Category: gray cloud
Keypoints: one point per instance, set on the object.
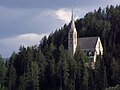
(47, 3)
(19, 21)
(55, 4)
(8, 45)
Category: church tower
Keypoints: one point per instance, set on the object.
(72, 37)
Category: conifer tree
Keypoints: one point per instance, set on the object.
(91, 83)
(64, 71)
(72, 72)
(11, 73)
(12, 77)
(2, 74)
(79, 57)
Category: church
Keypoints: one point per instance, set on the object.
(91, 46)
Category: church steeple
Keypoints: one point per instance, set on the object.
(72, 16)
(72, 22)
(72, 36)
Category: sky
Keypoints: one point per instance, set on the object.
(25, 22)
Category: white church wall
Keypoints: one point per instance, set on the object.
(99, 48)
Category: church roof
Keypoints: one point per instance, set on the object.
(87, 42)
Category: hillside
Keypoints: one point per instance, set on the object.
(49, 67)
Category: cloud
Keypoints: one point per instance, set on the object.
(24, 39)
(63, 14)
(8, 45)
(29, 20)
(113, 2)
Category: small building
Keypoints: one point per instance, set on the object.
(91, 46)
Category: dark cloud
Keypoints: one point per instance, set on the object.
(20, 21)
(48, 3)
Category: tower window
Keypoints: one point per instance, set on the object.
(71, 35)
(70, 42)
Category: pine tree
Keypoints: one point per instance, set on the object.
(12, 77)
(91, 83)
(2, 74)
(35, 75)
(64, 69)
(72, 72)
(115, 71)
(80, 75)
(100, 74)
(11, 73)
(41, 60)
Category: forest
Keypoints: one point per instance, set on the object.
(48, 66)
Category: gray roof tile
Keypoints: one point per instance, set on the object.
(87, 42)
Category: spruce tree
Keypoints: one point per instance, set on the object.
(2, 74)
(80, 75)
(64, 69)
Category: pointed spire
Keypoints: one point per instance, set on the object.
(72, 17)
(72, 21)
